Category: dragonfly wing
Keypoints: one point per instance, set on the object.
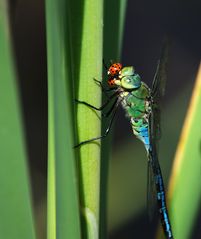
(152, 163)
(158, 84)
(157, 91)
(151, 192)
(154, 125)
(157, 180)
(158, 87)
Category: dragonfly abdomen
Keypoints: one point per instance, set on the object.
(161, 198)
(141, 131)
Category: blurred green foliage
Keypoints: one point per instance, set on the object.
(16, 220)
(63, 219)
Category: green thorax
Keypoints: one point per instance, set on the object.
(135, 101)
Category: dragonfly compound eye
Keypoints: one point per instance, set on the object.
(115, 69)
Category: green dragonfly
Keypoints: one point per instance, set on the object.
(142, 107)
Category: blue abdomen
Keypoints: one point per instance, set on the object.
(141, 131)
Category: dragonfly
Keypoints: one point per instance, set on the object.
(142, 107)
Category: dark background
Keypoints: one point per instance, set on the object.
(145, 25)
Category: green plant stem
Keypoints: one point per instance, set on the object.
(89, 121)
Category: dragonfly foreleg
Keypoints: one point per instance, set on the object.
(111, 109)
(103, 88)
(98, 108)
(106, 131)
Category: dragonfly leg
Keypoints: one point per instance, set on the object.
(103, 88)
(106, 131)
(101, 107)
(111, 109)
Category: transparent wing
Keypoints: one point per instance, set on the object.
(157, 91)
(158, 84)
(158, 88)
(151, 192)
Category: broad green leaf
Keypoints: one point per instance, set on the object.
(185, 189)
(63, 203)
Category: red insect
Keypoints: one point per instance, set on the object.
(111, 81)
(115, 69)
(113, 73)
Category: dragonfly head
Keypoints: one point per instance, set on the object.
(124, 77)
(130, 81)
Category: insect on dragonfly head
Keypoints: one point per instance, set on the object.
(113, 72)
(114, 69)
